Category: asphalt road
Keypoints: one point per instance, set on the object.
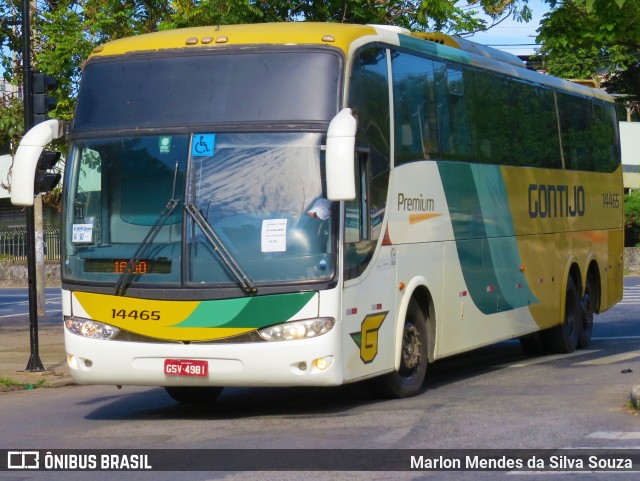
(14, 306)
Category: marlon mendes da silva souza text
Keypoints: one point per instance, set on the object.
(533, 462)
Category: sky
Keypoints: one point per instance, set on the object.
(513, 37)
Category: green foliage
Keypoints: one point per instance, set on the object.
(632, 209)
(66, 31)
(581, 37)
(11, 122)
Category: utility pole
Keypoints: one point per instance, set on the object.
(39, 247)
(34, 364)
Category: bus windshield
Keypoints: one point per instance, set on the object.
(260, 194)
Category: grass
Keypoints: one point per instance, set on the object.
(8, 384)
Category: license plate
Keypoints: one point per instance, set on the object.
(186, 367)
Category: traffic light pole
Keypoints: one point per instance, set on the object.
(34, 364)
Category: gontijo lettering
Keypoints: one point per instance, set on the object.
(549, 201)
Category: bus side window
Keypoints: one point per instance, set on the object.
(88, 201)
(357, 225)
(415, 113)
(575, 126)
(604, 139)
(369, 97)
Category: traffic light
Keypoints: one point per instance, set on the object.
(42, 102)
(44, 181)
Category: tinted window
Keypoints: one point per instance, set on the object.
(369, 97)
(457, 133)
(416, 121)
(212, 88)
(452, 112)
(575, 126)
(605, 140)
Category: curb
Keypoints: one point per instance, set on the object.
(635, 396)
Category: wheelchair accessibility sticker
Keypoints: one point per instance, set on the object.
(203, 145)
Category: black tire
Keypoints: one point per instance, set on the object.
(408, 380)
(533, 344)
(587, 308)
(563, 338)
(194, 394)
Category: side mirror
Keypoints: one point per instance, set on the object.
(340, 154)
(28, 159)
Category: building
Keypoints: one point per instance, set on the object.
(630, 147)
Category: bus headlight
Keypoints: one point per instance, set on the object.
(88, 328)
(298, 329)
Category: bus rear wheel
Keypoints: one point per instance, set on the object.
(563, 339)
(194, 394)
(587, 308)
(408, 380)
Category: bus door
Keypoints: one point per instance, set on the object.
(368, 307)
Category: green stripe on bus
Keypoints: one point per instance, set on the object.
(485, 237)
(253, 312)
(433, 48)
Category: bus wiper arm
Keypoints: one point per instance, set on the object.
(144, 246)
(227, 259)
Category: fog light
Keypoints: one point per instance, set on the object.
(323, 363)
(72, 361)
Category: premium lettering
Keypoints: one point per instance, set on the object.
(415, 204)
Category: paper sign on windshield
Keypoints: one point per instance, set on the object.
(274, 235)
(82, 233)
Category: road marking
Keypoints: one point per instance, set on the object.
(19, 303)
(614, 338)
(614, 435)
(630, 296)
(23, 314)
(625, 356)
(539, 360)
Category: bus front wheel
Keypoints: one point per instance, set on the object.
(408, 380)
(194, 394)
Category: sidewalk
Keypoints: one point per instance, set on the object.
(15, 352)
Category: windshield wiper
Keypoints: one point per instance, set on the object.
(144, 246)
(147, 242)
(227, 259)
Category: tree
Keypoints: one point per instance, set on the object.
(632, 217)
(632, 209)
(66, 31)
(451, 16)
(11, 121)
(581, 38)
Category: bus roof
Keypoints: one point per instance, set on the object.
(286, 33)
(344, 37)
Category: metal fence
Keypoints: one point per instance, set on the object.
(13, 243)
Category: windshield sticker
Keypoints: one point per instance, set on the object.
(203, 145)
(165, 145)
(274, 235)
(82, 233)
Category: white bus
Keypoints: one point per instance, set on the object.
(305, 204)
